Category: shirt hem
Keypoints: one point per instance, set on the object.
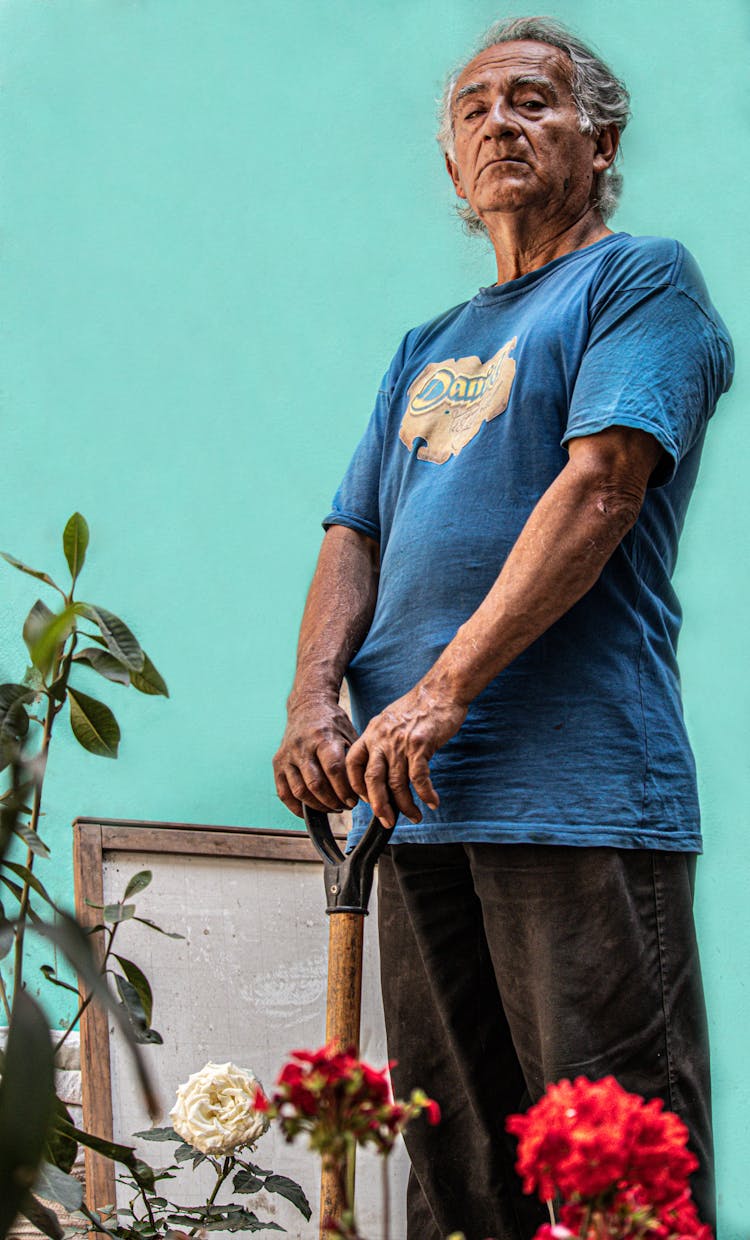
(594, 836)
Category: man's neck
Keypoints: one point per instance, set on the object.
(522, 245)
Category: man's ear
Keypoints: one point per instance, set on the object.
(454, 176)
(607, 143)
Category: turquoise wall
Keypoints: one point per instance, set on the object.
(218, 221)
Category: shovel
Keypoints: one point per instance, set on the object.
(348, 883)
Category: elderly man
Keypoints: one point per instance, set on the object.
(494, 583)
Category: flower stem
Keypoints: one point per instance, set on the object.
(227, 1167)
(351, 1150)
(386, 1199)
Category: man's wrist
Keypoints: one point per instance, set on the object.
(312, 695)
(447, 680)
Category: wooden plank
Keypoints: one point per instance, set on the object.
(147, 825)
(96, 1081)
(163, 839)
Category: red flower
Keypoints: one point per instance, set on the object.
(616, 1160)
(432, 1110)
(335, 1098)
(260, 1101)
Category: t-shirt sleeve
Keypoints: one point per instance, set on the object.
(356, 503)
(656, 360)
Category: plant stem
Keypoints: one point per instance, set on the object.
(83, 1208)
(4, 997)
(52, 709)
(85, 1002)
(227, 1167)
(351, 1154)
(386, 1199)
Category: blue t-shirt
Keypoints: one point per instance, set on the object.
(581, 740)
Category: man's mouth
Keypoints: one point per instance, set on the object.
(504, 159)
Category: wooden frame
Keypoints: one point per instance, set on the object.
(93, 838)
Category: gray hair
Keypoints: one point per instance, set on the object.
(600, 97)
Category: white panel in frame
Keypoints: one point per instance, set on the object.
(246, 984)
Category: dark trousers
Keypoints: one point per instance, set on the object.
(506, 967)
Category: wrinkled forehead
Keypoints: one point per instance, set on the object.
(522, 57)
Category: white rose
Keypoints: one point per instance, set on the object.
(214, 1109)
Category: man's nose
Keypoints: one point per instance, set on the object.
(500, 120)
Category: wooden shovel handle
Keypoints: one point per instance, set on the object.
(345, 936)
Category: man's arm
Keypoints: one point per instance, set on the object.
(310, 765)
(562, 549)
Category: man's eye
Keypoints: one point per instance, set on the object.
(534, 104)
(474, 112)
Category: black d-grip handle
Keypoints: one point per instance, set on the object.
(348, 879)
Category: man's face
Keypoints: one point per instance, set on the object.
(518, 143)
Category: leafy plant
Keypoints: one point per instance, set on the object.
(150, 1214)
(38, 1140)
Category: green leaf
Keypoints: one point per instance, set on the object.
(36, 622)
(62, 1149)
(259, 1170)
(94, 726)
(143, 1174)
(121, 642)
(32, 572)
(33, 679)
(7, 933)
(184, 1152)
(284, 1187)
(246, 1182)
(72, 939)
(32, 841)
(27, 1104)
(12, 695)
(170, 934)
(124, 1154)
(239, 1220)
(44, 1219)
(139, 982)
(13, 729)
(158, 1134)
(148, 680)
(54, 1185)
(24, 873)
(51, 976)
(142, 1032)
(75, 541)
(118, 912)
(139, 882)
(104, 663)
(50, 638)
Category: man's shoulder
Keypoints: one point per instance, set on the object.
(425, 332)
(652, 262)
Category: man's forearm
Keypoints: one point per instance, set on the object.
(310, 764)
(338, 612)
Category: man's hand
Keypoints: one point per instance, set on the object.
(395, 749)
(310, 765)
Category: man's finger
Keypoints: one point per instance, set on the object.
(332, 759)
(419, 775)
(300, 790)
(376, 781)
(285, 794)
(318, 784)
(356, 764)
(400, 792)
